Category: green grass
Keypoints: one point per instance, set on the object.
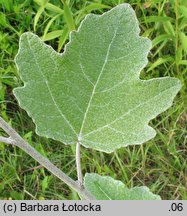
(160, 164)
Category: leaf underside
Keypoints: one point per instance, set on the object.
(106, 188)
(92, 92)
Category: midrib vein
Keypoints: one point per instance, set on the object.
(95, 86)
(50, 92)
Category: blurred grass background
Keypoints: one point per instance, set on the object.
(160, 164)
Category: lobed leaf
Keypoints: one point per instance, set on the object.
(92, 92)
(106, 188)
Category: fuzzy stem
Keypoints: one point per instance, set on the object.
(78, 164)
(7, 140)
(16, 139)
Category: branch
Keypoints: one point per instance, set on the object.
(17, 140)
(6, 140)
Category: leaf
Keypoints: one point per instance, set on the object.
(92, 92)
(54, 8)
(89, 8)
(169, 29)
(45, 183)
(160, 38)
(49, 25)
(63, 38)
(183, 10)
(52, 35)
(160, 61)
(68, 16)
(37, 16)
(16, 195)
(158, 19)
(3, 20)
(183, 39)
(44, 4)
(106, 188)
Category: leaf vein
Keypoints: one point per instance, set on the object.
(98, 79)
(127, 113)
(49, 90)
